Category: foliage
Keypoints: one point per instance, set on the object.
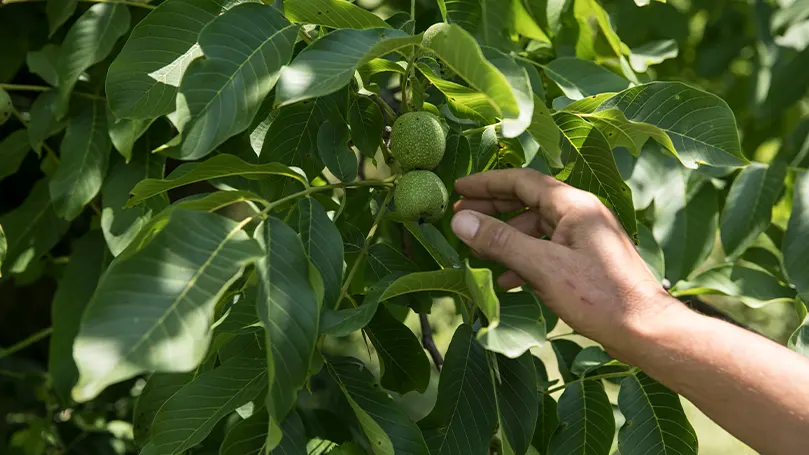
(209, 184)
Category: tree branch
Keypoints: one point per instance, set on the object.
(429, 343)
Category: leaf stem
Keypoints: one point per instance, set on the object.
(45, 88)
(620, 374)
(528, 60)
(123, 2)
(413, 10)
(26, 342)
(364, 251)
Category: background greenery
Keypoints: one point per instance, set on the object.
(75, 141)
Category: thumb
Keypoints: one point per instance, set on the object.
(496, 240)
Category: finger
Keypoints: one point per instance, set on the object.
(529, 223)
(510, 280)
(489, 206)
(550, 197)
(530, 258)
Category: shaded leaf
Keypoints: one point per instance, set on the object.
(465, 413)
(13, 149)
(333, 149)
(58, 12)
(289, 306)
(586, 423)
(799, 340)
(328, 64)
(753, 286)
(124, 133)
(521, 326)
(343, 322)
(6, 106)
(545, 131)
(566, 352)
(403, 364)
(159, 388)
(651, 253)
(219, 166)
(655, 420)
(388, 429)
(152, 309)
(323, 245)
(796, 238)
(435, 243)
(518, 402)
(75, 289)
(457, 160)
(331, 13)
(44, 63)
(32, 229)
(192, 412)
(221, 94)
(652, 53)
(90, 39)
(547, 421)
(43, 120)
(367, 123)
(582, 78)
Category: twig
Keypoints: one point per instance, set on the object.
(123, 2)
(45, 88)
(26, 342)
(429, 343)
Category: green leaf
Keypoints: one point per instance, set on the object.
(520, 84)
(328, 64)
(124, 133)
(90, 40)
(651, 253)
(75, 289)
(248, 437)
(582, 78)
(59, 11)
(380, 65)
(13, 149)
(462, 101)
(620, 132)
(333, 149)
(402, 362)
(545, 131)
(85, 152)
(367, 123)
(44, 63)
(748, 207)
(221, 94)
(323, 245)
(143, 79)
(588, 157)
(435, 243)
(6, 107)
(586, 423)
(700, 126)
(652, 53)
(219, 166)
(685, 225)
(159, 388)
(292, 136)
(796, 239)
(43, 121)
(344, 322)
(3, 247)
(517, 400)
(289, 307)
(465, 413)
(520, 327)
(165, 288)
(466, 13)
(566, 352)
(383, 260)
(457, 160)
(331, 13)
(388, 429)
(121, 225)
(461, 53)
(192, 412)
(590, 360)
(799, 340)
(481, 290)
(32, 229)
(655, 420)
(546, 423)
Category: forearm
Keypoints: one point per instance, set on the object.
(751, 386)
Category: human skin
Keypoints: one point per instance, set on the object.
(589, 273)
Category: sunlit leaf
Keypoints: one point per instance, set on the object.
(221, 94)
(331, 13)
(748, 207)
(655, 420)
(31, 229)
(75, 289)
(799, 340)
(223, 165)
(463, 101)
(328, 64)
(545, 131)
(288, 304)
(90, 39)
(586, 424)
(192, 412)
(582, 78)
(651, 253)
(465, 413)
(153, 307)
(796, 239)
(388, 429)
(517, 78)
(652, 53)
(520, 327)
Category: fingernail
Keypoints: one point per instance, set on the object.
(465, 225)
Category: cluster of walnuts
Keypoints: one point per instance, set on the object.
(417, 142)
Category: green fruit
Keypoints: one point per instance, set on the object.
(6, 108)
(431, 33)
(417, 141)
(421, 196)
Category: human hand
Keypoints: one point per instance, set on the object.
(588, 272)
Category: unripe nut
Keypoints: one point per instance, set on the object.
(417, 141)
(421, 196)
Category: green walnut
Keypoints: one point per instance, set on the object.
(417, 141)
(421, 196)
